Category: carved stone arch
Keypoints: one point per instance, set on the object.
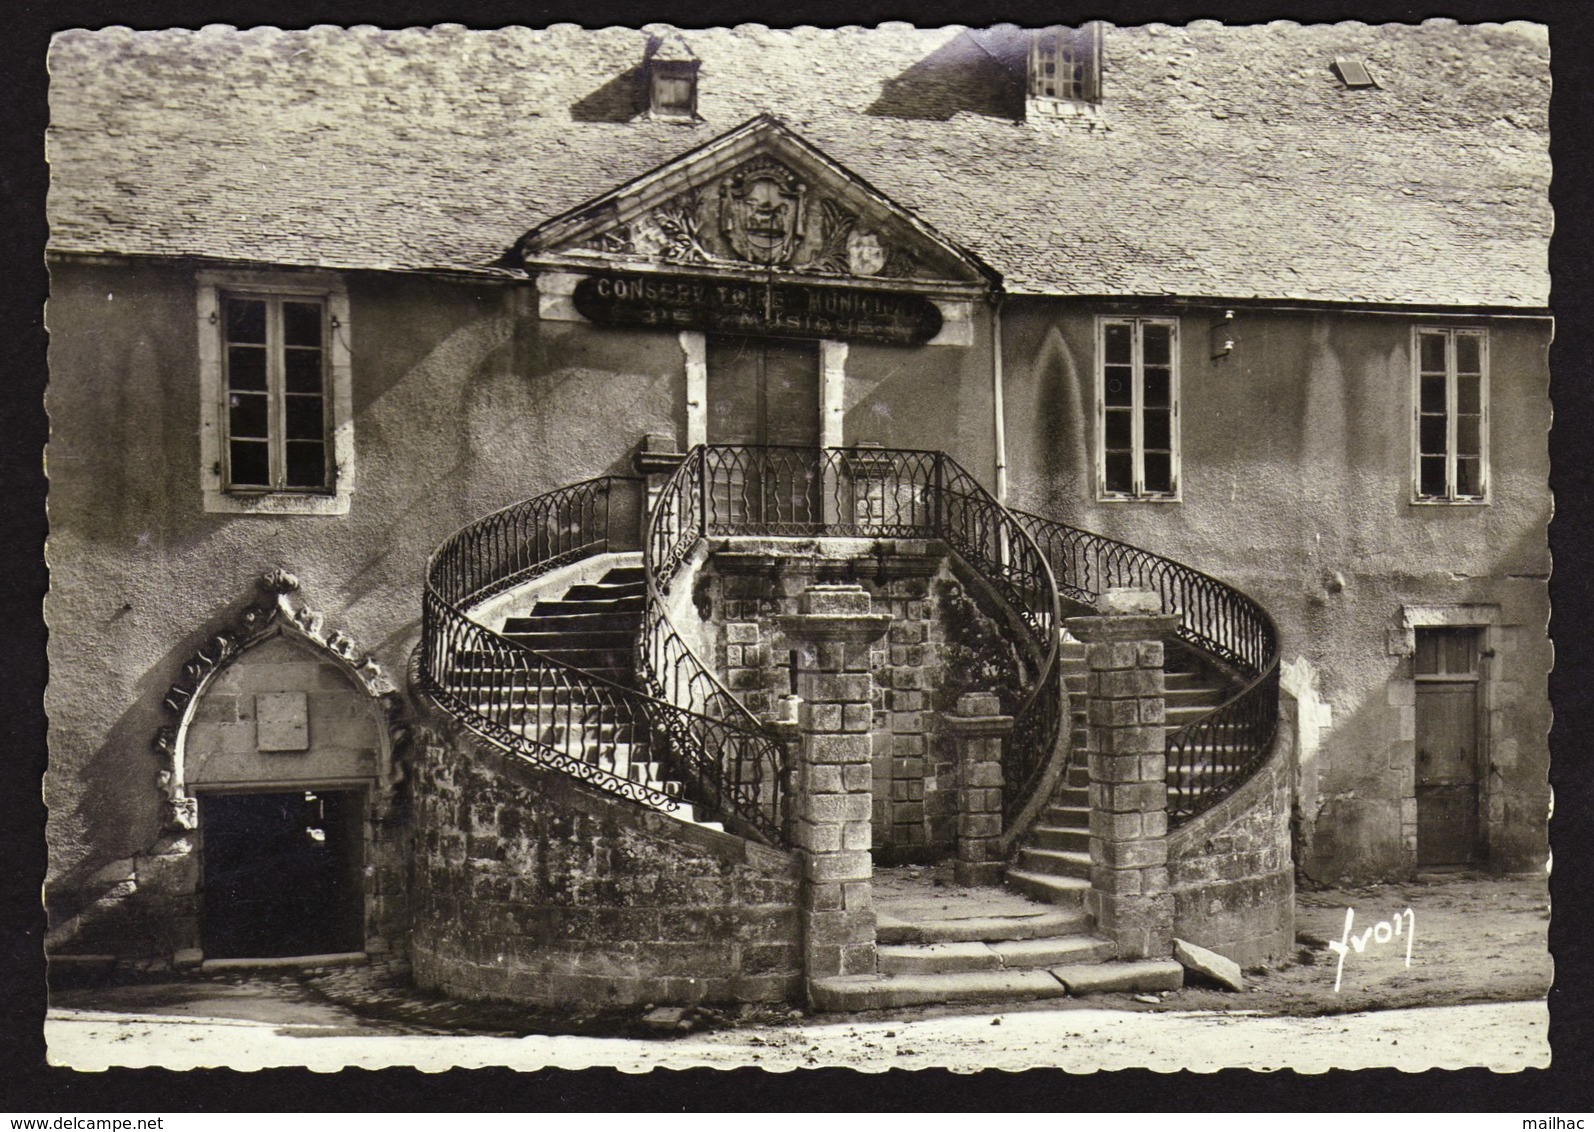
(278, 611)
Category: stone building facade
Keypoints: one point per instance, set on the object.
(1266, 305)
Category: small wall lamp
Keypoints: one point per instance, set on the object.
(1223, 336)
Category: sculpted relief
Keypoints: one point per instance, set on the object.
(761, 214)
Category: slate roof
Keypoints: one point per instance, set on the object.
(1228, 161)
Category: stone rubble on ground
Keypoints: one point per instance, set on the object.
(1209, 963)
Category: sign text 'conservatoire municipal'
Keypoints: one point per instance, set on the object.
(792, 310)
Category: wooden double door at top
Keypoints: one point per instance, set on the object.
(764, 393)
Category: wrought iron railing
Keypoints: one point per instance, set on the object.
(732, 759)
(729, 490)
(1210, 757)
(542, 708)
(685, 717)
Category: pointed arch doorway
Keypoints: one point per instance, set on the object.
(283, 754)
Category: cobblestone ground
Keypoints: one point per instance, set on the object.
(1476, 939)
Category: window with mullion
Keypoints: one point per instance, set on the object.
(276, 396)
(1064, 63)
(1138, 409)
(1451, 416)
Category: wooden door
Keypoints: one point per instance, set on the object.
(1448, 750)
(764, 394)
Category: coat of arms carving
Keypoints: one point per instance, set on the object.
(761, 212)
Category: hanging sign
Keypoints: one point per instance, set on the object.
(783, 310)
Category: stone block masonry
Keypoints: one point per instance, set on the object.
(530, 886)
(1129, 894)
(833, 631)
(942, 642)
(1231, 870)
(978, 728)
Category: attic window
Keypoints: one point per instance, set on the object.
(1065, 64)
(1354, 74)
(672, 77)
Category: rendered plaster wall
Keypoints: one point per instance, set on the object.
(928, 397)
(150, 906)
(1297, 490)
(921, 397)
(457, 411)
(532, 887)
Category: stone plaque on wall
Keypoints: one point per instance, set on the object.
(282, 721)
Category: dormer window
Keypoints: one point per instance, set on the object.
(1065, 65)
(672, 77)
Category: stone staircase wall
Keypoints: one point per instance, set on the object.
(1231, 869)
(532, 887)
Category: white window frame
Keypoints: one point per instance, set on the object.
(1137, 439)
(1064, 99)
(219, 497)
(1450, 498)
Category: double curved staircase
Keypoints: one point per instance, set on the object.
(595, 677)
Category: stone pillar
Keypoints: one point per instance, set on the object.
(1129, 896)
(977, 728)
(833, 631)
(655, 458)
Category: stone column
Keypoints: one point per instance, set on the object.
(655, 458)
(977, 728)
(833, 631)
(1129, 896)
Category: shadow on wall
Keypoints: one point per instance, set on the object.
(977, 72)
(105, 802)
(1066, 424)
(618, 100)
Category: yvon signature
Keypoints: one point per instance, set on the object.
(1403, 923)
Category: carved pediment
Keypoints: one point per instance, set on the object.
(757, 198)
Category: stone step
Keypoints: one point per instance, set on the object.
(1203, 694)
(1138, 976)
(1020, 953)
(535, 637)
(1068, 817)
(582, 622)
(631, 604)
(1052, 889)
(620, 655)
(484, 676)
(605, 590)
(1178, 713)
(980, 929)
(1076, 838)
(572, 715)
(1003, 955)
(1069, 796)
(1056, 862)
(936, 958)
(481, 664)
(500, 689)
(881, 992)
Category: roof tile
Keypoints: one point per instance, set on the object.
(1232, 162)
